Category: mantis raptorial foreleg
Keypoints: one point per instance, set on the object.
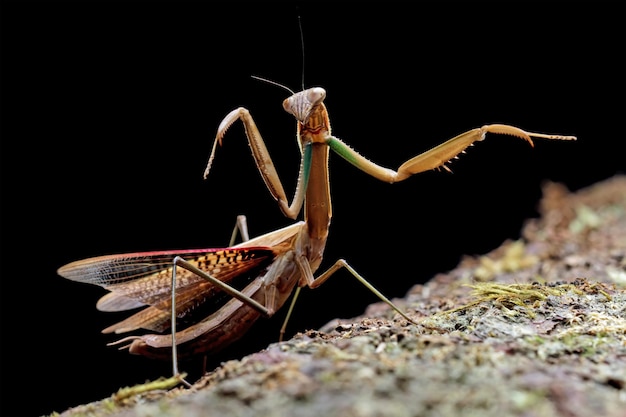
(300, 105)
(263, 161)
(434, 158)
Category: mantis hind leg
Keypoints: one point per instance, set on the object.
(289, 311)
(180, 262)
(241, 228)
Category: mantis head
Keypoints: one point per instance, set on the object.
(301, 104)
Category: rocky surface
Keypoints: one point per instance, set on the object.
(535, 328)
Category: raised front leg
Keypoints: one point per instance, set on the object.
(436, 157)
(263, 161)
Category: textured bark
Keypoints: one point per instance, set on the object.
(535, 328)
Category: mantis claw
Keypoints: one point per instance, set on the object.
(230, 118)
(507, 130)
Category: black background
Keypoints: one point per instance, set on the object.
(109, 111)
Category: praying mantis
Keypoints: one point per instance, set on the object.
(217, 294)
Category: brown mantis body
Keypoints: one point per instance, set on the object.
(273, 264)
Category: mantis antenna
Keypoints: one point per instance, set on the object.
(273, 83)
(302, 48)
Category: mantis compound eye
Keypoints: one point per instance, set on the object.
(287, 105)
(316, 95)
